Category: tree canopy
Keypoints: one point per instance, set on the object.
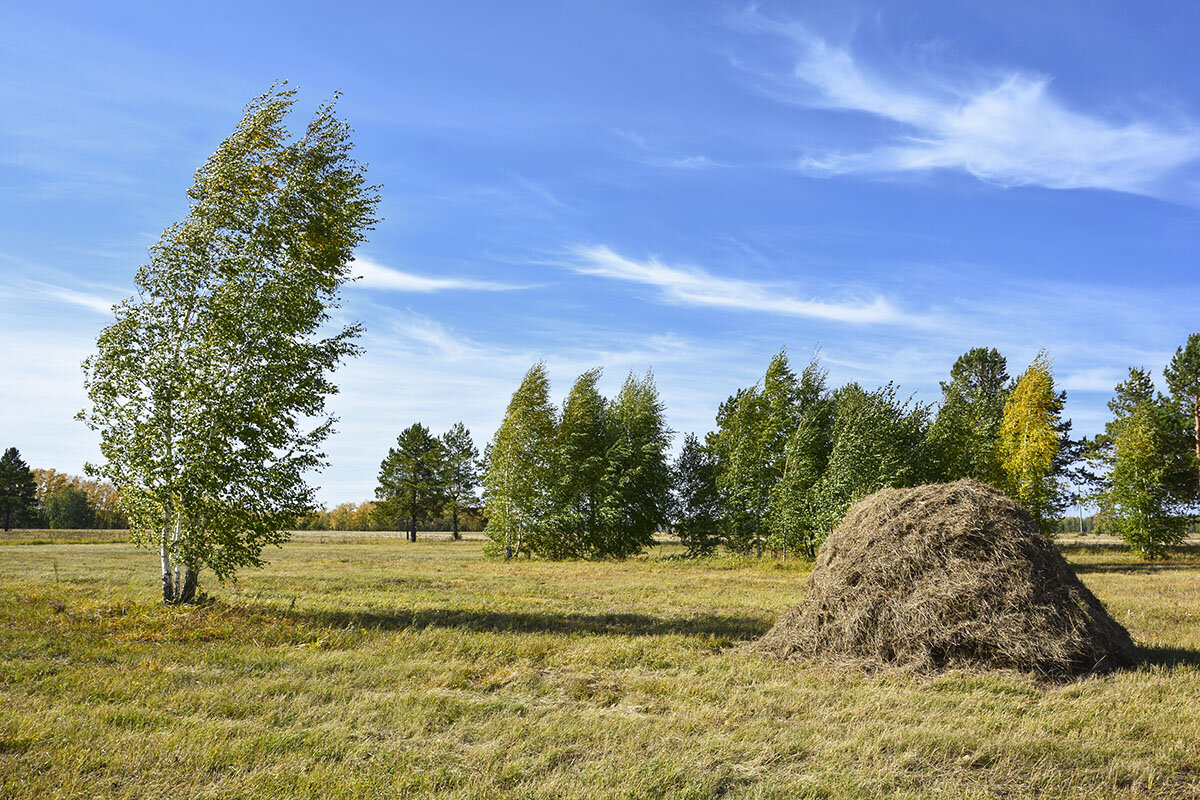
(209, 389)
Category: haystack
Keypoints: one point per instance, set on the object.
(948, 575)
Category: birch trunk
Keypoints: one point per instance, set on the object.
(168, 583)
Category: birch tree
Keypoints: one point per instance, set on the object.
(518, 484)
(209, 389)
(1030, 437)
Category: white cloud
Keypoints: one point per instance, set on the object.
(696, 287)
(92, 302)
(1004, 128)
(376, 276)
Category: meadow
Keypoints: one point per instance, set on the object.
(358, 665)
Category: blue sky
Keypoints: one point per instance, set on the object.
(684, 187)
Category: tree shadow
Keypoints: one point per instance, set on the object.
(1136, 567)
(1156, 656)
(736, 628)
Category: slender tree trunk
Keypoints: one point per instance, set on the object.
(454, 522)
(168, 583)
(1196, 420)
(191, 580)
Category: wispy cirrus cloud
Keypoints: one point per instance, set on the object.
(697, 287)
(1003, 127)
(376, 276)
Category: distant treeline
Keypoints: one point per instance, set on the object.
(45, 498)
(790, 454)
(367, 517)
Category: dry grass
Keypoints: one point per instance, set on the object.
(396, 670)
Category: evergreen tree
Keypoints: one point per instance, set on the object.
(585, 434)
(1030, 438)
(209, 389)
(1183, 379)
(18, 491)
(963, 436)
(461, 477)
(638, 479)
(519, 482)
(696, 508)
(412, 478)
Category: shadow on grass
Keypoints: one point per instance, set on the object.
(726, 627)
(1169, 656)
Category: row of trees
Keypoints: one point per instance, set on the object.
(425, 475)
(367, 517)
(591, 480)
(45, 498)
(790, 455)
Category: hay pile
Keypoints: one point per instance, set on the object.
(948, 575)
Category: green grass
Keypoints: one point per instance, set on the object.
(368, 667)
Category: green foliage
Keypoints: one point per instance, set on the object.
(68, 508)
(696, 505)
(1149, 470)
(1183, 380)
(637, 475)
(797, 523)
(964, 434)
(1029, 441)
(412, 478)
(519, 481)
(460, 477)
(877, 442)
(209, 389)
(585, 435)
(18, 491)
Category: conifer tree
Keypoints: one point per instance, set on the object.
(1029, 441)
(18, 491)
(412, 478)
(461, 477)
(519, 481)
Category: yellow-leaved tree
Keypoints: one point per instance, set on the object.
(1029, 439)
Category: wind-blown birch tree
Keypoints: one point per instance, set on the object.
(209, 389)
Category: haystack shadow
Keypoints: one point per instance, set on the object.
(735, 628)
(1159, 656)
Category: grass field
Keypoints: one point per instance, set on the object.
(361, 666)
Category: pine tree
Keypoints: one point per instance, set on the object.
(1029, 440)
(18, 491)
(461, 477)
(519, 481)
(695, 508)
(412, 478)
